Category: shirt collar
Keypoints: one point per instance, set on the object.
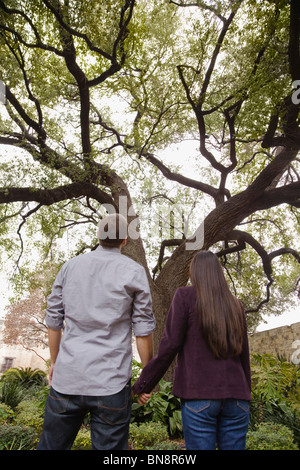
(108, 250)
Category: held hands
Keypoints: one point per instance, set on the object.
(143, 398)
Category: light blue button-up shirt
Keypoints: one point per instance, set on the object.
(98, 298)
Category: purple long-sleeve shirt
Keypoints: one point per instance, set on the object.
(198, 375)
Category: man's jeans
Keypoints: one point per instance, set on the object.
(211, 424)
(64, 414)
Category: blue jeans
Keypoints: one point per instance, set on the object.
(211, 424)
(64, 414)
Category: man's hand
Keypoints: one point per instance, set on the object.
(145, 350)
(54, 337)
(50, 373)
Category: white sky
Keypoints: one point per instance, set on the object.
(286, 318)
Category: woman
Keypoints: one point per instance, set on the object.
(206, 327)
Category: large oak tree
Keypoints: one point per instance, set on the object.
(96, 91)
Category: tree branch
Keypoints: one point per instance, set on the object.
(161, 258)
(214, 57)
(73, 32)
(38, 45)
(241, 245)
(293, 51)
(96, 173)
(29, 121)
(51, 196)
(189, 182)
(81, 80)
(285, 251)
(244, 237)
(289, 194)
(287, 108)
(200, 4)
(283, 158)
(203, 187)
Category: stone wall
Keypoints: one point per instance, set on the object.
(283, 341)
(14, 355)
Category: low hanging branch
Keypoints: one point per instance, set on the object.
(47, 197)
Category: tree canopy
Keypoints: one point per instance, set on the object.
(102, 99)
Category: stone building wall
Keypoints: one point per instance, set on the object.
(14, 355)
(283, 341)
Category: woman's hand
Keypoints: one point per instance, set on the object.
(143, 398)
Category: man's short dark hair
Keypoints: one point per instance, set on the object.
(112, 231)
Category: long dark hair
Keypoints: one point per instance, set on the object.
(220, 313)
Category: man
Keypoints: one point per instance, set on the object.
(96, 300)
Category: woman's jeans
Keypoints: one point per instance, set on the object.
(211, 424)
(64, 414)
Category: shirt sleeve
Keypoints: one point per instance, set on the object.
(245, 356)
(55, 312)
(142, 315)
(171, 343)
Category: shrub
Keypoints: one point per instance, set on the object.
(41, 394)
(6, 413)
(166, 445)
(19, 384)
(273, 378)
(270, 436)
(26, 377)
(28, 413)
(162, 407)
(147, 434)
(83, 440)
(11, 394)
(275, 393)
(13, 437)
